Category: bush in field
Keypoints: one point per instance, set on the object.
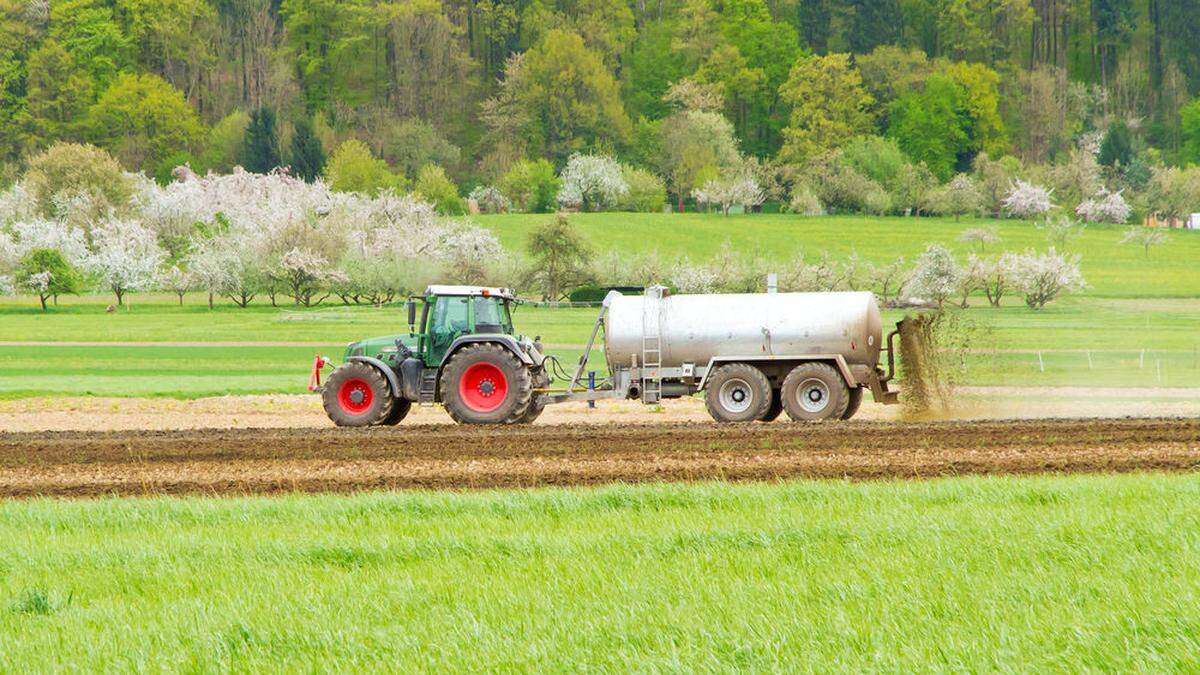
(731, 187)
(1043, 277)
(1025, 200)
(805, 202)
(1146, 237)
(67, 169)
(842, 188)
(961, 196)
(647, 192)
(48, 274)
(488, 199)
(532, 186)
(591, 183)
(436, 187)
(1105, 207)
(935, 277)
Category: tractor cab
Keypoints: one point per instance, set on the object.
(463, 352)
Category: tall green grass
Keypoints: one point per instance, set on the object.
(1016, 574)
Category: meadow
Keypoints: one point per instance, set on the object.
(1044, 573)
(1138, 324)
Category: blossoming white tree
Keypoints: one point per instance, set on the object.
(961, 196)
(175, 280)
(736, 186)
(1026, 200)
(1146, 237)
(981, 236)
(488, 199)
(1043, 277)
(1105, 207)
(126, 257)
(591, 182)
(935, 277)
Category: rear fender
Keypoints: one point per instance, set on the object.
(385, 370)
(836, 360)
(507, 341)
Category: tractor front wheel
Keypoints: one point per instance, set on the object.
(486, 384)
(357, 395)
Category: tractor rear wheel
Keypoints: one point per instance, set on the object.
(486, 384)
(738, 392)
(815, 392)
(856, 399)
(400, 408)
(357, 395)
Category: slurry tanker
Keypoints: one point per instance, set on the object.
(753, 356)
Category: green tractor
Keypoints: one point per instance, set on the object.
(463, 354)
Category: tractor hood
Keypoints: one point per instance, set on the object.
(386, 348)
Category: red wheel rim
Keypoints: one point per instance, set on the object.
(355, 396)
(483, 387)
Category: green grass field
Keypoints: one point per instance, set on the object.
(1016, 574)
(1138, 324)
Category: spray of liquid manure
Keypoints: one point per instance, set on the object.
(933, 350)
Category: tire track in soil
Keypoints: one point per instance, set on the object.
(267, 461)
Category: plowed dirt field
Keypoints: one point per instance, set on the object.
(244, 461)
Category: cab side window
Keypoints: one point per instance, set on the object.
(449, 321)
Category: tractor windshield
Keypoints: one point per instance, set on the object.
(491, 316)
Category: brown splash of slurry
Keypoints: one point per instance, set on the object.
(926, 389)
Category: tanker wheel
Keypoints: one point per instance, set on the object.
(855, 402)
(738, 392)
(537, 404)
(400, 408)
(357, 395)
(814, 392)
(486, 384)
(776, 408)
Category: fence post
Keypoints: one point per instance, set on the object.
(1089, 353)
(1041, 363)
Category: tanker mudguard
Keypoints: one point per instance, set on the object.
(384, 369)
(508, 341)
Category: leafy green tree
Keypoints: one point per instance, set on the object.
(307, 157)
(71, 168)
(433, 184)
(649, 70)
(88, 31)
(829, 106)
(226, 139)
(560, 256)
(143, 119)
(981, 102)
(931, 126)
(570, 97)
(532, 185)
(260, 153)
(413, 143)
(1117, 147)
(1189, 119)
(696, 141)
(59, 93)
(352, 168)
(48, 274)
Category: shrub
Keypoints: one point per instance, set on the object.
(531, 185)
(68, 169)
(959, 197)
(1105, 207)
(352, 168)
(437, 188)
(588, 294)
(805, 202)
(489, 200)
(1043, 277)
(647, 192)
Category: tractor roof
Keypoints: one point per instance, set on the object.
(505, 293)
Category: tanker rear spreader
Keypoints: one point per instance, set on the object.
(753, 356)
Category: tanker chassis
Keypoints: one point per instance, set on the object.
(754, 356)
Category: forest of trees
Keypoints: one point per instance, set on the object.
(469, 89)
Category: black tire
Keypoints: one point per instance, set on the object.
(776, 408)
(468, 405)
(738, 392)
(400, 409)
(815, 392)
(537, 403)
(855, 402)
(357, 395)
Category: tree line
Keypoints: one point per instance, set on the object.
(463, 91)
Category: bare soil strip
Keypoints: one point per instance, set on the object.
(265, 461)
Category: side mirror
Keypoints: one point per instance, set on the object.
(412, 316)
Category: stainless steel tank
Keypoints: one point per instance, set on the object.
(696, 328)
